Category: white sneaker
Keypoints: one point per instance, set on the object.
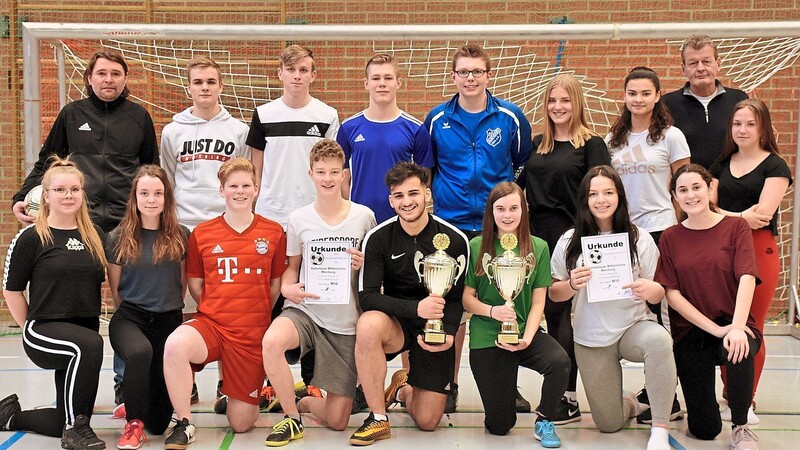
(752, 418)
(743, 438)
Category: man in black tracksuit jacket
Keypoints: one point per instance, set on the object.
(106, 134)
(702, 107)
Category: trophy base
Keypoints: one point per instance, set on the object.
(434, 337)
(508, 338)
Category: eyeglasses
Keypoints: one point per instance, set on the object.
(62, 192)
(477, 73)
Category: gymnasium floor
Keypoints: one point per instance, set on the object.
(778, 407)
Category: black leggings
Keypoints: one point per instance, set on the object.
(138, 337)
(74, 348)
(696, 356)
(558, 315)
(495, 371)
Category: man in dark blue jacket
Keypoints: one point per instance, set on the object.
(478, 141)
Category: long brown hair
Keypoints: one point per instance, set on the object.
(579, 130)
(170, 244)
(766, 137)
(659, 121)
(489, 232)
(89, 236)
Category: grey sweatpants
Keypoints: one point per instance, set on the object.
(601, 373)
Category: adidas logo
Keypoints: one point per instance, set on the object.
(254, 394)
(447, 388)
(217, 249)
(85, 127)
(314, 131)
(359, 138)
(633, 162)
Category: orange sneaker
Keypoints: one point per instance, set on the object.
(133, 436)
(119, 412)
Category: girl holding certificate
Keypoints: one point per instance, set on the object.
(495, 364)
(710, 289)
(752, 180)
(607, 331)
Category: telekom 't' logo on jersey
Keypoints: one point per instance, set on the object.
(229, 266)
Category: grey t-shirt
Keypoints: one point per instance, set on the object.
(152, 287)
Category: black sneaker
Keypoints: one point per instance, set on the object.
(288, 429)
(521, 405)
(181, 435)
(221, 405)
(118, 399)
(452, 400)
(359, 401)
(81, 436)
(567, 412)
(372, 430)
(8, 407)
(195, 396)
(646, 417)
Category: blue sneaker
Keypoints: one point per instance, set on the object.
(545, 431)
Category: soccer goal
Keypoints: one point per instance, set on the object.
(756, 57)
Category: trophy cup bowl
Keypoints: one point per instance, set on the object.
(509, 273)
(439, 273)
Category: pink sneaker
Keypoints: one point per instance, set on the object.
(133, 436)
(119, 412)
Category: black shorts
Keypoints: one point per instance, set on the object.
(432, 371)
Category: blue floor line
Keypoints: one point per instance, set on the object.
(12, 440)
(672, 441)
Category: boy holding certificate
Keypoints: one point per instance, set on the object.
(322, 307)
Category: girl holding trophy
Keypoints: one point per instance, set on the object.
(607, 331)
(516, 267)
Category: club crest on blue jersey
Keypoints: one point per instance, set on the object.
(494, 136)
(262, 246)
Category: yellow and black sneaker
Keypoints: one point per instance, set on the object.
(372, 430)
(288, 429)
(399, 379)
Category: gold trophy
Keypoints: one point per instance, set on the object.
(439, 273)
(509, 273)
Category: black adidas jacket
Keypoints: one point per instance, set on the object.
(108, 141)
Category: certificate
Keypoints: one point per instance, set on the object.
(610, 259)
(327, 270)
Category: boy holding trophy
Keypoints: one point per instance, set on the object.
(396, 306)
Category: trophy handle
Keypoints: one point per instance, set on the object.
(417, 260)
(485, 261)
(530, 265)
(461, 266)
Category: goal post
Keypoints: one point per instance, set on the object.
(752, 53)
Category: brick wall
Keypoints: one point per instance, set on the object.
(341, 64)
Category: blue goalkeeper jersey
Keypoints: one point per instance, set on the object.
(371, 148)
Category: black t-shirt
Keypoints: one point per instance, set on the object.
(64, 277)
(738, 194)
(389, 282)
(552, 179)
